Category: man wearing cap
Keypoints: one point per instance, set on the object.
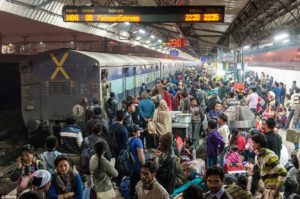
(41, 180)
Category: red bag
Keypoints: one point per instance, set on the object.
(179, 143)
(233, 162)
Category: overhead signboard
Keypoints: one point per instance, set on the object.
(174, 53)
(144, 14)
(203, 59)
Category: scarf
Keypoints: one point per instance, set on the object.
(150, 185)
(64, 182)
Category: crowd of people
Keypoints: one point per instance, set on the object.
(134, 150)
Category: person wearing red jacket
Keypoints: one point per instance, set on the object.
(167, 98)
(238, 140)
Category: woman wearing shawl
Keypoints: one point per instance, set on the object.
(65, 183)
(162, 120)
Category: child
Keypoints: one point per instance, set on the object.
(50, 155)
(27, 164)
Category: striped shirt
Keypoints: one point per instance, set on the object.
(272, 173)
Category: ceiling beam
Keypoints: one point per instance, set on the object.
(43, 4)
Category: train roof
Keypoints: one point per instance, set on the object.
(105, 59)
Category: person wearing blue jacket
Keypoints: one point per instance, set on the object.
(147, 108)
(64, 182)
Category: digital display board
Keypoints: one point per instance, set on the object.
(144, 14)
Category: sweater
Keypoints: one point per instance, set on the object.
(147, 108)
(215, 143)
(157, 191)
(272, 173)
(102, 170)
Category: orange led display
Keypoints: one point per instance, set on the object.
(72, 17)
(211, 17)
(144, 14)
(118, 18)
(192, 17)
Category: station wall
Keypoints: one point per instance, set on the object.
(280, 75)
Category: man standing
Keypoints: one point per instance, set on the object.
(296, 122)
(214, 179)
(118, 135)
(295, 99)
(272, 173)
(111, 106)
(252, 100)
(147, 108)
(128, 120)
(148, 187)
(274, 141)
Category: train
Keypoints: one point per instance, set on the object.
(53, 82)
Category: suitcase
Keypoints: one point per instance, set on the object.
(293, 135)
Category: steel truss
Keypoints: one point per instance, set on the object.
(261, 18)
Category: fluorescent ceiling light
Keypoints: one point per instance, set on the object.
(159, 41)
(142, 31)
(152, 36)
(246, 47)
(127, 23)
(286, 41)
(281, 36)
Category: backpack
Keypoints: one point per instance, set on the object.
(113, 141)
(108, 107)
(86, 155)
(125, 161)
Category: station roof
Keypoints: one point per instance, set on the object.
(246, 22)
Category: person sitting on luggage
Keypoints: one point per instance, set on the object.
(148, 187)
(51, 154)
(64, 182)
(233, 160)
(41, 180)
(214, 179)
(238, 140)
(102, 171)
(27, 164)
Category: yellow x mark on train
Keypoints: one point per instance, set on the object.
(59, 65)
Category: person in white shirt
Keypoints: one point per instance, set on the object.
(225, 133)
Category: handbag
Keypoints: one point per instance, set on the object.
(24, 182)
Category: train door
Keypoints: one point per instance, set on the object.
(125, 82)
(105, 87)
